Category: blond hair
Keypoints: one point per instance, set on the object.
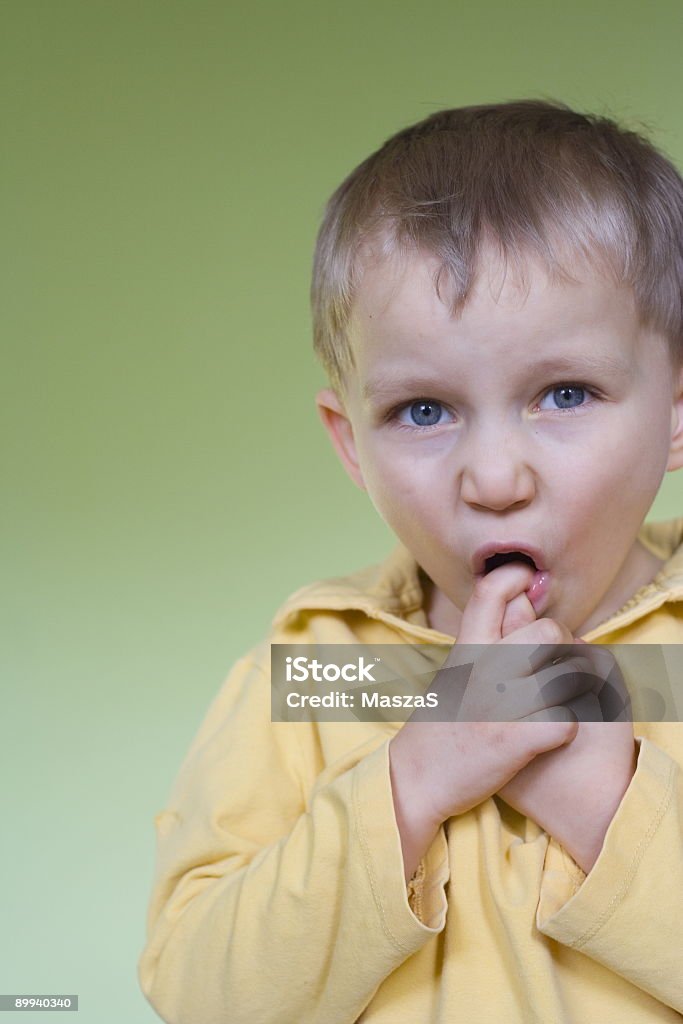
(535, 177)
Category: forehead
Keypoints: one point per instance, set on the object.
(395, 288)
(397, 314)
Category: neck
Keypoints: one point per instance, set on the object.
(639, 569)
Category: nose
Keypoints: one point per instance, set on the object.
(496, 475)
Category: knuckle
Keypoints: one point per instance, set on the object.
(564, 731)
(554, 733)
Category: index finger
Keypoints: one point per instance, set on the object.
(482, 619)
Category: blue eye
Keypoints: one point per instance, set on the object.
(425, 413)
(566, 396)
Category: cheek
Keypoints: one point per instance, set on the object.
(610, 496)
(402, 489)
(632, 469)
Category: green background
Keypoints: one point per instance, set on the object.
(166, 480)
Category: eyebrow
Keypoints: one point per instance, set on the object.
(574, 365)
(585, 362)
(390, 383)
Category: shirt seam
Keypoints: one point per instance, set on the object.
(371, 877)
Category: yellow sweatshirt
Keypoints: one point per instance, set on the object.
(279, 895)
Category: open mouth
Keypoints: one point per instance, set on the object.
(502, 558)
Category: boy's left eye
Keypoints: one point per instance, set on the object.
(565, 396)
(423, 413)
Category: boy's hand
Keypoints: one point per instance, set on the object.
(574, 797)
(442, 769)
(573, 792)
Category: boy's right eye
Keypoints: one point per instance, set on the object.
(423, 413)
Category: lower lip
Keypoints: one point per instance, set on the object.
(538, 592)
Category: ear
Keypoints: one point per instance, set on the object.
(338, 425)
(676, 448)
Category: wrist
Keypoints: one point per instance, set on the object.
(417, 824)
(585, 839)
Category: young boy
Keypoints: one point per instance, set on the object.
(497, 300)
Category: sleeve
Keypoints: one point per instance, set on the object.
(279, 897)
(627, 913)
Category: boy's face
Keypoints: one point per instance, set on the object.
(546, 423)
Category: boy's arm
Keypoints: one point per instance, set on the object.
(261, 892)
(617, 809)
(627, 914)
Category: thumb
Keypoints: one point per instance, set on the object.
(518, 613)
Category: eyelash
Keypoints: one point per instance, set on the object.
(589, 392)
(393, 414)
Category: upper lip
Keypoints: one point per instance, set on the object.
(500, 547)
